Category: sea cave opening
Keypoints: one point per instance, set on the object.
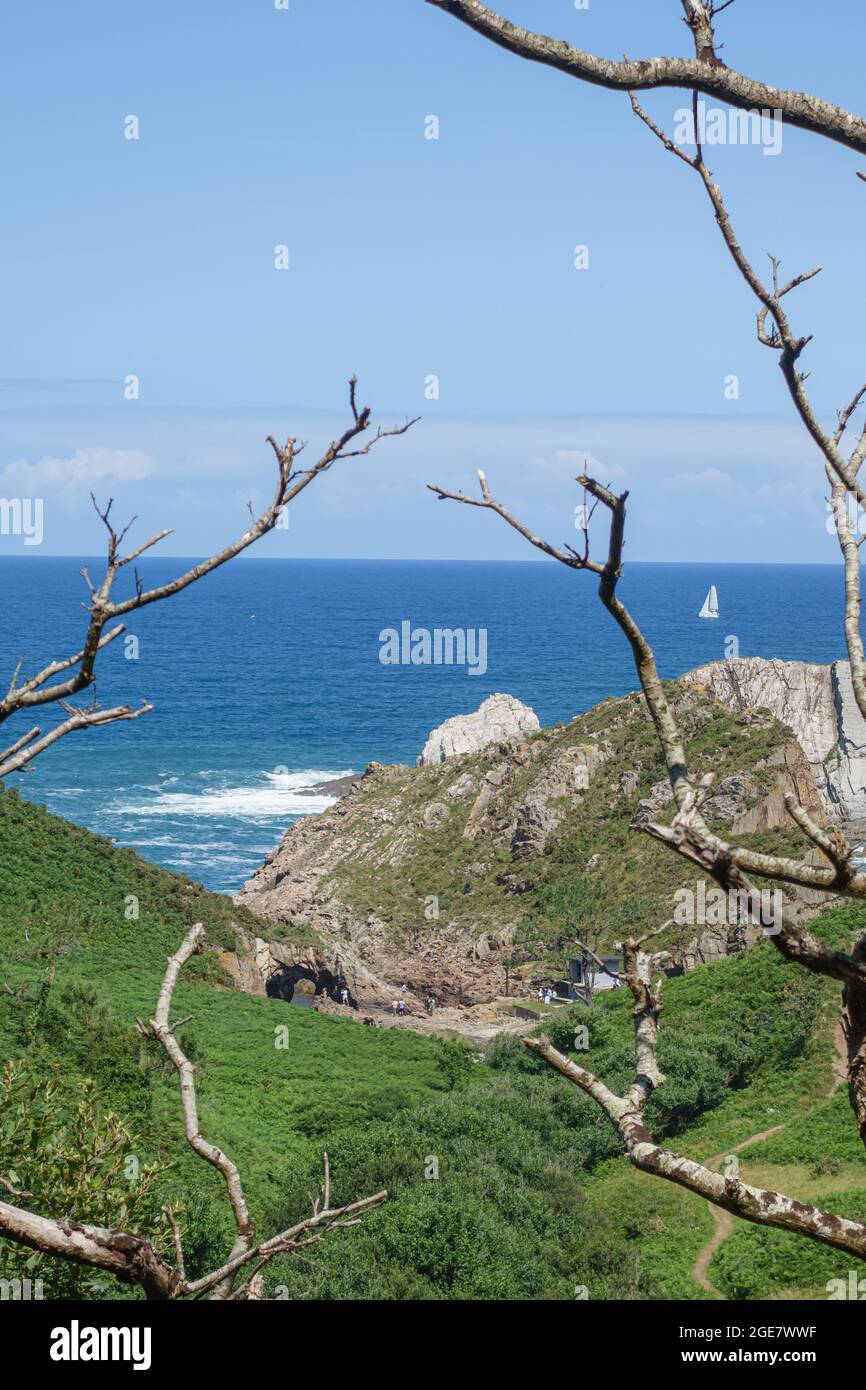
(301, 984)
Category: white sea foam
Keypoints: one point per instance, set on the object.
(188, 861)
(159, 841)
(183, 846)
(278, 799)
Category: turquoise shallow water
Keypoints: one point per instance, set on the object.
(266, 677)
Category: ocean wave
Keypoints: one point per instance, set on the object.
(280, 799)
(200, 860)
(293, 781)
(159, 841)
(189, 847)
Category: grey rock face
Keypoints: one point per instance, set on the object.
(536, 819)
(817, 703)
(501, 719)
(797, 693)
(649, 806)
(793, 774)
(730, 796)
(846, 770)
(463, 787)
(485, 802)
(435, 815)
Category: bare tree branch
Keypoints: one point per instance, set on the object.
(703, 73)
(42, 688)
(160, 1029)
(25, 751)
(759, 1205)
(131, 1258)
(566, 556)
(842, 473)
(688, 834)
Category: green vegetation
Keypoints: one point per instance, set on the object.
(73, 1156)
(504, 1181)
(65, 890)
(745, 1044)
(487, 1203)
(64, 897)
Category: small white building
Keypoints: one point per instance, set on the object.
(584, 973)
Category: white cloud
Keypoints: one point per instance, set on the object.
(82, 469)
(700, 488)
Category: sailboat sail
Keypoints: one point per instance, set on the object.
(711, 604)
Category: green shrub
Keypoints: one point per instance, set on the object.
(71, 1158)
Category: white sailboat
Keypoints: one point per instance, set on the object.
(711, 604)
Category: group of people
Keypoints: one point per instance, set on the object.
(545, 994)
(399, 1008)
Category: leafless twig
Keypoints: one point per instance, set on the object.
(134, 1259)
(43, 688)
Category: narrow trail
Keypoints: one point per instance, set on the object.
(724, 1221)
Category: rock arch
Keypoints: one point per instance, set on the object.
(283, 980)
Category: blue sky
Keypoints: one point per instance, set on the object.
(409, 258)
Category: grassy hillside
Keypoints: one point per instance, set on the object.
(746, 1045)
(64, 894)
(505, 1181)
(755, 996)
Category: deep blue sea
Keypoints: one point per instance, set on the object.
(266, 677)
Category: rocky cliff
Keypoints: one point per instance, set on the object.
(817, 703)
(498, 719)
(465, 874)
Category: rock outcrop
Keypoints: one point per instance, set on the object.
(559, 786)
(846, 762)
(817, 703)
(263, 966)
(455, 876)
(500, 719)
(797, 693)
(792, 774)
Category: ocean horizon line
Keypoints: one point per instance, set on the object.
(431, 560)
